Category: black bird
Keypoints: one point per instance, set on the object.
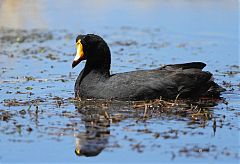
(177, 80)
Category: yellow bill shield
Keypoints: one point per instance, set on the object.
(79, 55)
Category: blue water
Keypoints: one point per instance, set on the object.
(161, 32)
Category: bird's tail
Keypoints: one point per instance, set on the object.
(214, 90)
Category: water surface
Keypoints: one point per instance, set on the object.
(41, 122)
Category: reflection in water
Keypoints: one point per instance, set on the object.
(98, 116)
(95, 138)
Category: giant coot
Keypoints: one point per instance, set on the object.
(170, 81)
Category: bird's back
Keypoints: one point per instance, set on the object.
(182, 80)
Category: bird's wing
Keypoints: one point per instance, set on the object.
(167, 83)
(197, 65)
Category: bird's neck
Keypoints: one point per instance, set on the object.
(100, 72)
(104, 72)
(103, 68)
(99, 66)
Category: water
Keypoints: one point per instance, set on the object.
(40, 121)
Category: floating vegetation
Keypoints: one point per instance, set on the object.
(38, 104)
(15, 102)
(29, 88)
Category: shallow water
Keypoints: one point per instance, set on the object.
(41, 122)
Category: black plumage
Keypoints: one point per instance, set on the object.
(178, 80)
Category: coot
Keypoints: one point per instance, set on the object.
(170, 81)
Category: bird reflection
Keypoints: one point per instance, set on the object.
(98, 117)
(95, 138)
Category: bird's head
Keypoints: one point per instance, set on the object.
(94, 49)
